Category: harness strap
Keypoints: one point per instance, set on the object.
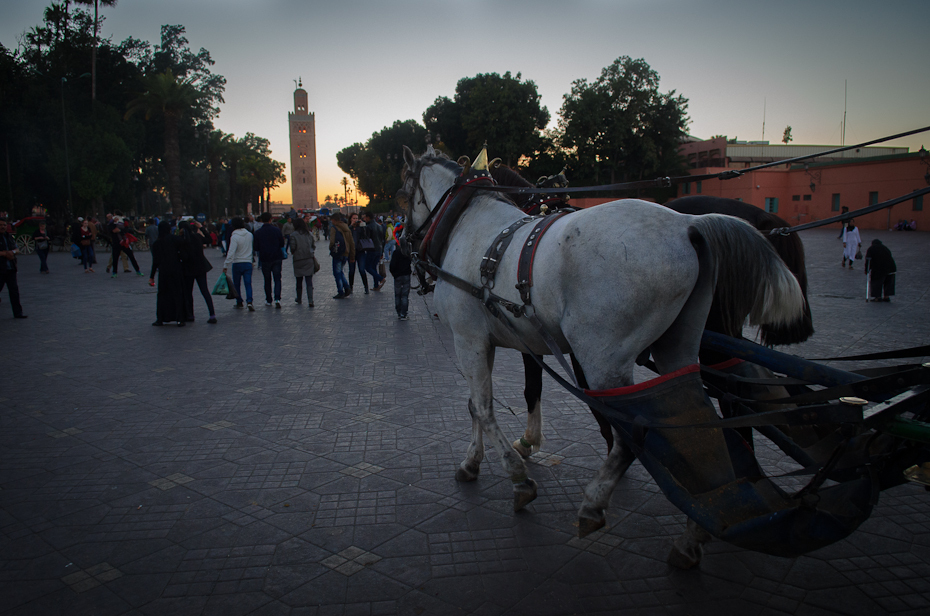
(528, 254)
(492, 257)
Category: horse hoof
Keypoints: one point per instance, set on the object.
(523, 494)
(525, 452)
(590, 522)
(685, 559)
(467, 473)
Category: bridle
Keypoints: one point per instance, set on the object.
(413, 239)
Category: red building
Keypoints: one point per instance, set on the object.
(811, 191)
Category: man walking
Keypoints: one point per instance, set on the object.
(268, 243)
(8, 253)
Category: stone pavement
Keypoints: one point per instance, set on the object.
(301, 462)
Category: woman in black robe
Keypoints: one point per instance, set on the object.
(880, 267)
(169, 304)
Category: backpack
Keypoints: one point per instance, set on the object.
(339, 245)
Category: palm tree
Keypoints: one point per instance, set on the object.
(171, 98)
(93, 53)
(218, 144)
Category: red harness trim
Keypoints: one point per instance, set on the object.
(724, 365)
(632, 389)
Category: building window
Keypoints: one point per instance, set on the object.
(697, 188)
(873, 197)
(835, 202)
(795, 197)
(919, 203)
(771, 205)
(807, 197)
(686, 188)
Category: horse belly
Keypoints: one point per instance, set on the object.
(612, 290)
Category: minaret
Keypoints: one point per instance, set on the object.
(303, 152)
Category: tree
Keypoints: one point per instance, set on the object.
(93, 57)
(621, 126)
(217, 148)
(167, 96)
(786, 136)
(503, 111)
(376, 165)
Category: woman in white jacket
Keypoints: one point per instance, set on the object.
(239, 255)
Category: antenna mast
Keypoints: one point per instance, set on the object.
(763, 119)
(845, 81)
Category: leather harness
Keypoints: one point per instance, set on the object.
(450, 208)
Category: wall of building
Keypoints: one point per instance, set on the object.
(853, 180)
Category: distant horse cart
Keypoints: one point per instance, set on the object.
(22, 233)
(631, 282)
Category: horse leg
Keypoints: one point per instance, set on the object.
(597, 493)
(532, 439)
(602, 424)
(471, 466)
(688, 549)
(477, 361)
(591, 516)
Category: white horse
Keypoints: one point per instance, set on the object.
(609, 282)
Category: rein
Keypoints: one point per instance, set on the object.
(667, 182)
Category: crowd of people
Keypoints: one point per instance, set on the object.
(365, 243)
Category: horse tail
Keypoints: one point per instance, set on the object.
(791, 250)
(752, 280)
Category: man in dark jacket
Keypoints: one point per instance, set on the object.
(8, 252)
(268, 244)
(880, 268)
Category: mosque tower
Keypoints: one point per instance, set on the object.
(303, 152)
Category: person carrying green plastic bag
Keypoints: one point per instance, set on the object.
(222, 286)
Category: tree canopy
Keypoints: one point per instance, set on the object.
(144, 144)
(502, 110)
(621, 127)
(376, 164)
(618, 127)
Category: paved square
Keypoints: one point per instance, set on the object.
(297, 461)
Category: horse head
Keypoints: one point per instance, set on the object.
(424, 181)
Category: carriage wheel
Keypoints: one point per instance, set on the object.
(25, 244)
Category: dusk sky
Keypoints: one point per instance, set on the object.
(367, 63)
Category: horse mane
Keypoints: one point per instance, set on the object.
(505, 176)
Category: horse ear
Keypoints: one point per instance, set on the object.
(409, 158)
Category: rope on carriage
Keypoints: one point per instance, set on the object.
(666, 182)
(850, 215)
(918, 351)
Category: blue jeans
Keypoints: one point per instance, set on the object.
(85, 257)
(389, 250)
(269, 271)
(43, 259)
(242, 271)
(370, 265)
(339, 263)
(401, 294)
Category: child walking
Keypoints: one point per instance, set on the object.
(400, 270)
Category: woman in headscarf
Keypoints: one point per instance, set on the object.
(169, 305)
(880, 268)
